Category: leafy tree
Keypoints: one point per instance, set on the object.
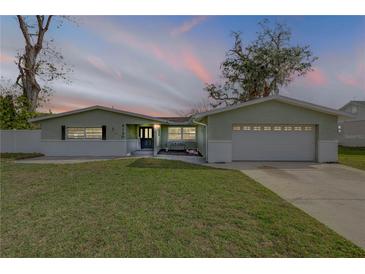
(8, 113)
(14, 112)
(40, 61)
(261, 68)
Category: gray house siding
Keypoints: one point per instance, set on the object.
(360, 110)
(217, 140)
(51, 129)
(117, 143)
(270, 112)
(352, 131)
(201, 139)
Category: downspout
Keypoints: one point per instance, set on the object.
(206, 137)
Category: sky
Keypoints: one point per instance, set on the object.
(159, 65)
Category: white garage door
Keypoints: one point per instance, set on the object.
(252, 142)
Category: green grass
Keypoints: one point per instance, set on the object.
(354, 157)
(152, 208)
(19, 156)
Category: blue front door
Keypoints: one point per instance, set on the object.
(146, 136)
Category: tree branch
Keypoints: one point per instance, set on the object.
(41, 30)
(48, 22)
(24, 29)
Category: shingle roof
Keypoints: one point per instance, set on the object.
(52, 116)
(279, 98)
(356, 102)
(185, 120)
(175, 119)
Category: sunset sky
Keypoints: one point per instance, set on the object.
(158, 65)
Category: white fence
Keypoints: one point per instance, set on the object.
(26, 141)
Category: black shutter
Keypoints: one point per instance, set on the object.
(103, 133)
(63, 132)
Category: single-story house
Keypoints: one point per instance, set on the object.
(351, 131)
(274, 128)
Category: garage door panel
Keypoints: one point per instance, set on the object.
(273, 145)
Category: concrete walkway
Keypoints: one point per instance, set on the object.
(187, 159)
(334, 194)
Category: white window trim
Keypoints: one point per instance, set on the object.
(84, 137)
(181, 135)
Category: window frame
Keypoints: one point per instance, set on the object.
(181, 134)
(84, 137)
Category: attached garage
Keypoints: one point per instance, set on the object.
(273, 142)
(274, 128)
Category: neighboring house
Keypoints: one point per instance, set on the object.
(351, 131)
(274, 128)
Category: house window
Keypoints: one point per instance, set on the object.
(84, 133)
(277, 128)
(267, 128)
(256, 128)
(188, 133)
(246, 128)
(174, 133)
(308, 128)
(297, 128)
(181, 133)
(236, 128)
(288, 128)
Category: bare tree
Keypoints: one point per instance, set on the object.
(39, 61)
(199, 107)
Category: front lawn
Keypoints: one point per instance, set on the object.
(152, 208)
(352, 156)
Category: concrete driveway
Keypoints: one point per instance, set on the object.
(332, 193)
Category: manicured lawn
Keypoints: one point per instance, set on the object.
(354, 157)
(152, 208)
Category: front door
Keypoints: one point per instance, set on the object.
(146, 136)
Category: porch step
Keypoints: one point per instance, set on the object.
(143, 152)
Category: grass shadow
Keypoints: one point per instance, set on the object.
(19, 156)
(165, 164)
(351, 150)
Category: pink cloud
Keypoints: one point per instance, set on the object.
(6, 58)
(61, 103)
(162, 55)
(356, 79)
(193, 64)
(188, 25)
(173, 56)
(316, 77)
(99, 64)
(348, 80)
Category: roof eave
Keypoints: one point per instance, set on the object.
(38, 119)
(284, 99)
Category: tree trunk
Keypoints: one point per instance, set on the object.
(31, 87)
(27, 62)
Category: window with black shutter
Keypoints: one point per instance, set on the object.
(63, 132)
(103, 132)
